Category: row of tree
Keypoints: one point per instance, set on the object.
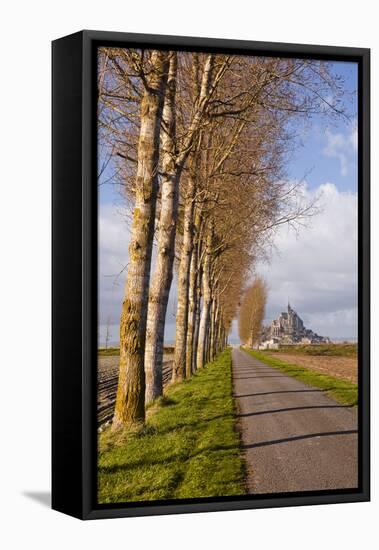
(252, 313)
(198, 143)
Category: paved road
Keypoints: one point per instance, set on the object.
(295, 438)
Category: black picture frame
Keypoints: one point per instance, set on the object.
(74, 272)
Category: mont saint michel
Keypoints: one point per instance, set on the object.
(289, 328)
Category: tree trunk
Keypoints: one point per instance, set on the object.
(219, 341)
(215, 329)
(197, 317)
(212, 331)
(191, 312)
(205, 313)
(179, 368)
(162, 277)
(130, 400)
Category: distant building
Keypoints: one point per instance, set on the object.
(273, 343)
(289, 328)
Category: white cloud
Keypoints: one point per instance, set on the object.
(342, 147)
(353, 137)
(114, 237)
(113, 240)
(317, 269)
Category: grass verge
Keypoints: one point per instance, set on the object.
(326, 350)
(108, 352)
(341, 390)
(189, 447)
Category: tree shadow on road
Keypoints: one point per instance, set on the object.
(275, 392)
(297, 438)
(289, 409)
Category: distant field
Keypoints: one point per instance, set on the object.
(325, 376)
(116, 351)
(330, 350)
(108, 352)
(342, 367)
(339, 360)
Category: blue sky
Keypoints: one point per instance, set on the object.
(310, 159)
(321, 285)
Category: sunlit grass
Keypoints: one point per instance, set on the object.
(326, 350)
(189, 446)
(341, 390)
(108, 352)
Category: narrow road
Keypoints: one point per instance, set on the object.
(294, 437)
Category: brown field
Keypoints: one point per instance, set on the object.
(345, 368)
(107, 377)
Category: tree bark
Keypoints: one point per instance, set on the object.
(162, 277)
(181, 158)
(191, 312)
(219, 342)
(130, 400)
(205, 313)
(179, 368)
(212, 331)
(207, 88)
(197, 316)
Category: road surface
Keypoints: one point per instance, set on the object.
(294, 437)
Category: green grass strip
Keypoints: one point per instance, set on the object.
(341, 390)
(109, 352)
(327, 350)
(188, 448)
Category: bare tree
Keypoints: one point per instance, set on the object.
(174, 157)
(107, 331)
(162, 276)
(130, 400)
(198, 144)
(252, 311)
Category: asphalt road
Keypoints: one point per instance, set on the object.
(294, 437)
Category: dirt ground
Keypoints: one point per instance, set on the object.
(340, 367)
(107, 377)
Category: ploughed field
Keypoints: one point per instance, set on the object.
(107, 377)
(342, 367)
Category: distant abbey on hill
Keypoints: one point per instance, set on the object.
(289, 328)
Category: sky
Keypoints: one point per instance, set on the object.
(314, 268)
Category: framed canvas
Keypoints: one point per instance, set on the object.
(210, 275)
